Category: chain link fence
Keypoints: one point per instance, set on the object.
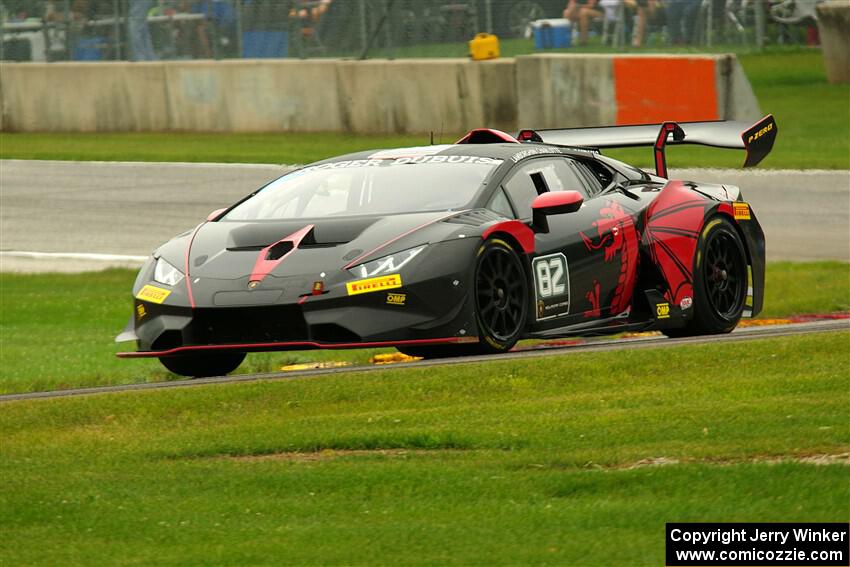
(103, 30)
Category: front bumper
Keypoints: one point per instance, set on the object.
(434, 305)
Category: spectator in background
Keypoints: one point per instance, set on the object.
(220, 14)
(681, 20)
(582, 11)
(645, 10)
(141, 46)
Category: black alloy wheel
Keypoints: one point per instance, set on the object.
(721, 280)
(501, 296)
(203, 365)
(725, 275)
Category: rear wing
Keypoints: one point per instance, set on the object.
(756, 139)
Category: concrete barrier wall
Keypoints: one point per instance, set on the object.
(375, 96)
(834, 29)
(591, 90)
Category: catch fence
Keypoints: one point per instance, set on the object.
(104, 30)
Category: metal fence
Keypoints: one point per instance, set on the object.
(102, 30)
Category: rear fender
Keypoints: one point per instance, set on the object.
(670, 228)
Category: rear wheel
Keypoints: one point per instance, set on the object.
(720, 281)
(203, 365)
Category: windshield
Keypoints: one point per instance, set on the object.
(369, 186)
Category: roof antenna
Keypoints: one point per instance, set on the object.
(432, 137)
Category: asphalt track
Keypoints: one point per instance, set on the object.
(602, 345)
(125, 210)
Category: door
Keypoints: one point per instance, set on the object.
(584, 267)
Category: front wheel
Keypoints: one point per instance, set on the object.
(501, 304)
(720, 281)
(203, 365)
(501, 296)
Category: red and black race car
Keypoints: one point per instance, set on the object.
(457, 249)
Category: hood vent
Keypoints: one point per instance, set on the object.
(279, 250)
(478, 217)
(254, 236)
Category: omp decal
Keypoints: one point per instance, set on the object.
(662, 311)
(617, 234)
(741, 210)
(396, 298)
(153, 294)
(552, 285)
(373, 284)
(760, 133)
(140, 311)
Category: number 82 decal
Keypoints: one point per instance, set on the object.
(552, 285)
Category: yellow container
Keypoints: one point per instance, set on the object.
(484, 46)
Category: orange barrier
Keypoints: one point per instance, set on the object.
(656, 89)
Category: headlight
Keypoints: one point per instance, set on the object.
(387, 264)
(166, 274)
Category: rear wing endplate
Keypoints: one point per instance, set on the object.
(756, 139)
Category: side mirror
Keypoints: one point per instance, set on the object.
(553, 203)
(215, 214)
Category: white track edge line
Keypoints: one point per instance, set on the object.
(71, 256)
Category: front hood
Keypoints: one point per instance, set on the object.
(230, 249)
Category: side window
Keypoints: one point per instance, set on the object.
(568, 178)
(538, 176)
(522, 188)
(499, 204)
(597, 175)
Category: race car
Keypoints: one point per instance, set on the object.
(459, 249)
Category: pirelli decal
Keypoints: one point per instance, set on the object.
(382, 283)
(741, 210)
(153, 294)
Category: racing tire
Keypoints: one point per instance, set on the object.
(203, 365)
(720, 281)
(500, 296)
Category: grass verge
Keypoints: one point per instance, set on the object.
(785, 82)
(513, 462)
(56, 330)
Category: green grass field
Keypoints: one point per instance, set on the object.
(56, 330)
(543, 462)
(786, 82)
